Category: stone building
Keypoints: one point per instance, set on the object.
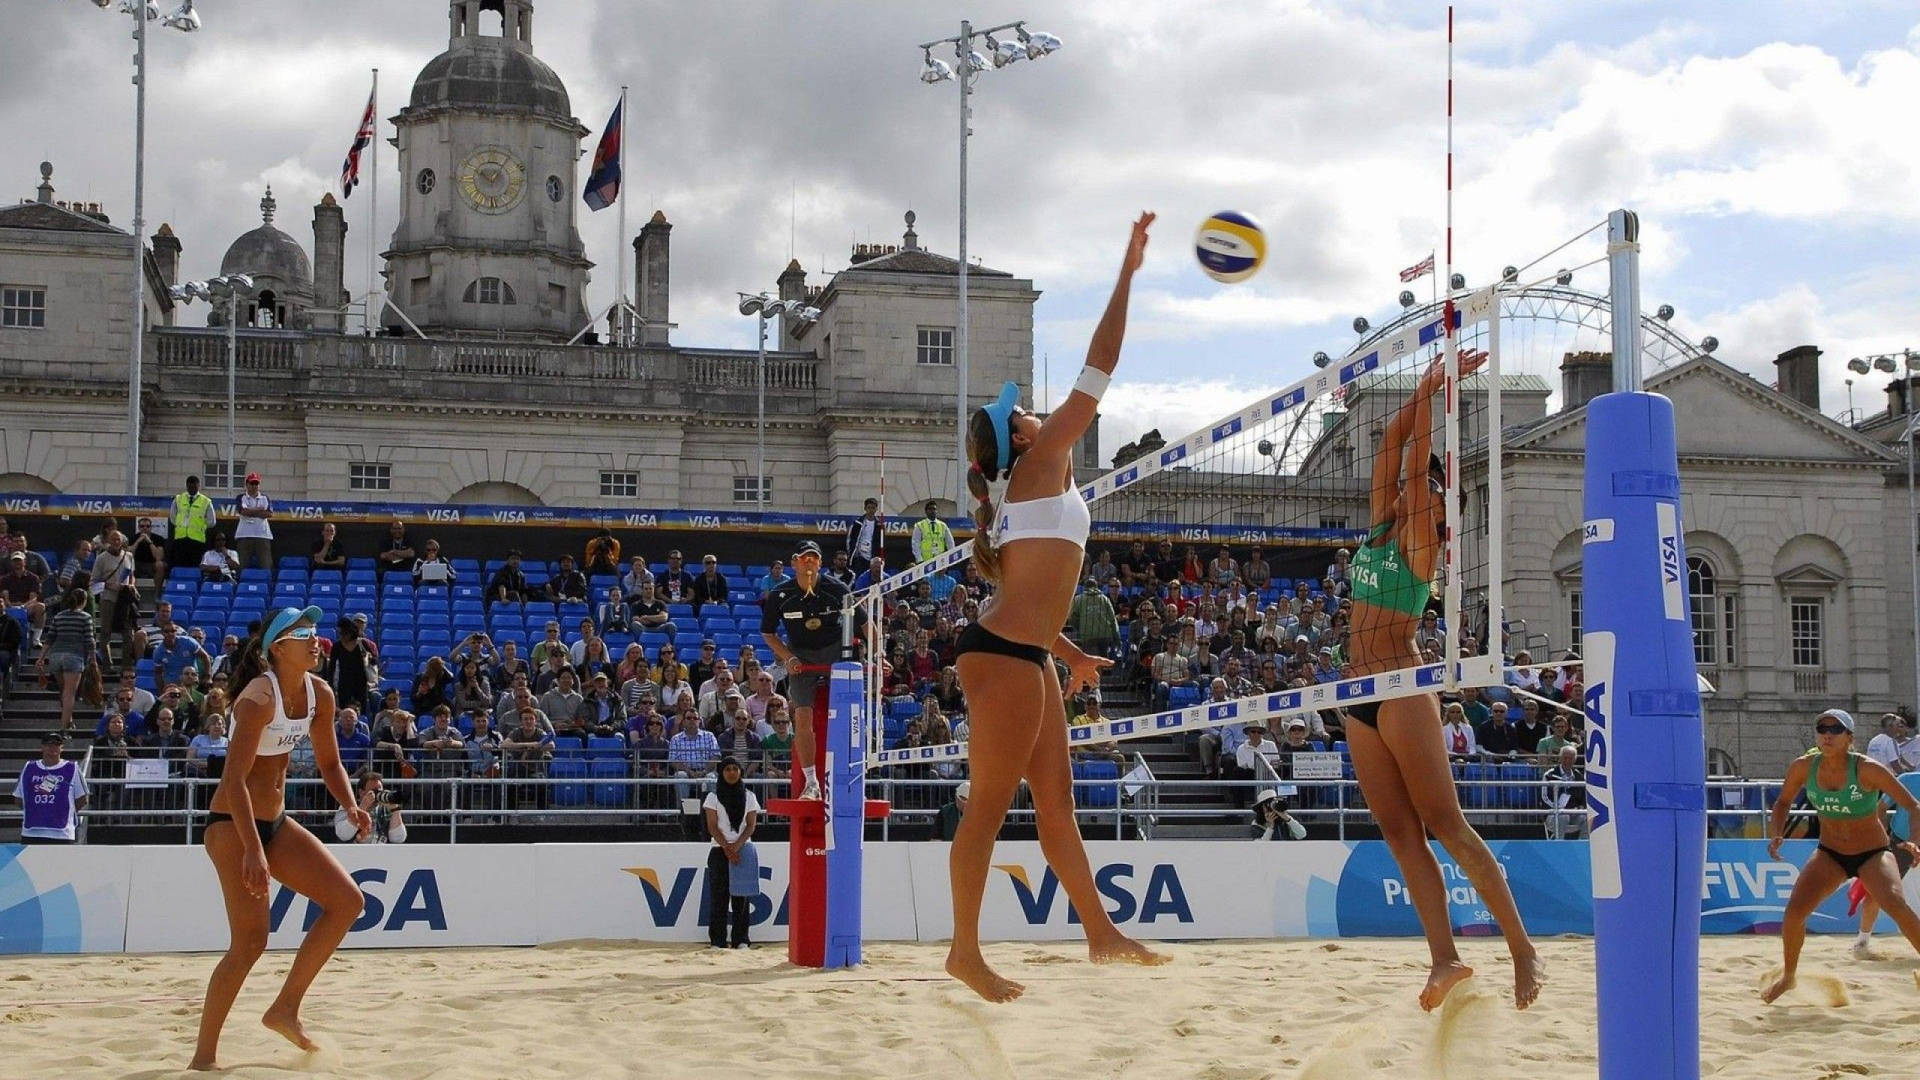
(473, 392)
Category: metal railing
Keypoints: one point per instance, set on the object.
(1133, 805)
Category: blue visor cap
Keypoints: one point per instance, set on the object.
(1001, 412)
(284, 620)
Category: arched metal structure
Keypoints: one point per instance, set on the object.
(1660, 344)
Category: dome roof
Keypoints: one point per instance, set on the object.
(268, 252)
(490, 71)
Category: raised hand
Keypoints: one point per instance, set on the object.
(1137, 243)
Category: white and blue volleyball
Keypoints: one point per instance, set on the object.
(1230, 246)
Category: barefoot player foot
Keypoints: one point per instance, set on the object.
(287, 1022)
(1441, 980)
(973, 971)
(1780, 986)
(1528, 977)
(1124, 950)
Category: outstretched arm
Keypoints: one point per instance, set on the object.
(1064, 427)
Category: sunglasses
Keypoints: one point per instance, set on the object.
(1831, 729)
(298, 633)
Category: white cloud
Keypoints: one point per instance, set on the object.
(1176, 409)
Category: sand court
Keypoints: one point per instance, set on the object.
(1316, 1010)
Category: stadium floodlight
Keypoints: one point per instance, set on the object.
(1664, 312)
(1406, 298)
(1510, 273)
(1883, 363)
(184, 18)
(967, 64)
(1564, 277)
(1039, 43)
(1859, 366)
(750, 305)
(1457, 282)
(1321, 359)
(1913, 359)
(1709, 343)
(1361, 325)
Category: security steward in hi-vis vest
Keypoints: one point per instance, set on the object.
(931, 536)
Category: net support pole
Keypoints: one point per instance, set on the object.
(1646, 744)
(1494, 634)
(1450, 356)
(825, 839)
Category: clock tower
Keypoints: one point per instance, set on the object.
(488, 242)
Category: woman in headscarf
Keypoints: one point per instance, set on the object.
(733, 866)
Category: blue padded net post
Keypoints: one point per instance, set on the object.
(1646, 744)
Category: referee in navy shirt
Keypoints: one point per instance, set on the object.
(810, 605)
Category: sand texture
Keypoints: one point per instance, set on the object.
(1220, 1011)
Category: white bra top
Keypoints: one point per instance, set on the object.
(1059, 517)
(284, 732)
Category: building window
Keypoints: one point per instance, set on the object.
(489, 290)
(214, 474)
(369, 476)
(1806, 628)
(935, 346)
(746, 491)
(1704, 602)
(23, 307)
(1333, 523)
(1248, 517)
(619, 485)
(1575, 616)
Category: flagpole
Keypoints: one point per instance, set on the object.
(373, 214)
(625, 335)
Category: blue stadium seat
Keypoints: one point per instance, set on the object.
(433, 619)
(474, 593)
(747, 612)
(902, 710)
(360, 564)
(606, 747)
(180, 587)
(727, 644)
(567, 767)
(1096, 796)
(679, 612)
(292, 562)
(606, 792)
(329, 577)
(255, 575)
(651, 642)
(1181, 697)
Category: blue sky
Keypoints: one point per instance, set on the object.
(1767, 146)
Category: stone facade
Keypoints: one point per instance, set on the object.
(1781, 506)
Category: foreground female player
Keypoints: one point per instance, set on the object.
(276, 703)
(1032, 544)
(1845, 789)
(1398, 755)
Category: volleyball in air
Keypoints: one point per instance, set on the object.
(1230, 246)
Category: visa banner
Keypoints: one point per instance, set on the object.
(167, 899)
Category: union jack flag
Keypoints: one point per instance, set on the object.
(350, 168)
(1418, 270)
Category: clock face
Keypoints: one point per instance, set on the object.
(424, 181)
(555, 191)
(492, 181)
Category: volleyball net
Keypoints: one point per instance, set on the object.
(1291, 474)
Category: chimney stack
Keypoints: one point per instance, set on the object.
(329, 313)
(793, 286)
(1583, 377)
(166, 259)
(1799, 369)
(651, 260)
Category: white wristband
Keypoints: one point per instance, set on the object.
(1092, 382)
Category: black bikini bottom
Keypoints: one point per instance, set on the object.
(1852, 863)
(266, 829)
(1368, 714)
(977, 638)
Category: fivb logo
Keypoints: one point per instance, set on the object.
(1604, 838)
(1672, 564)
(667, 903)
(1161, 897)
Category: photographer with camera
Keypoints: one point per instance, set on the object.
(383, 806)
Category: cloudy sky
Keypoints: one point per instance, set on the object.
(1767, 145)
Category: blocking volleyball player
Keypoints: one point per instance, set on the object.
(1398, 755)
